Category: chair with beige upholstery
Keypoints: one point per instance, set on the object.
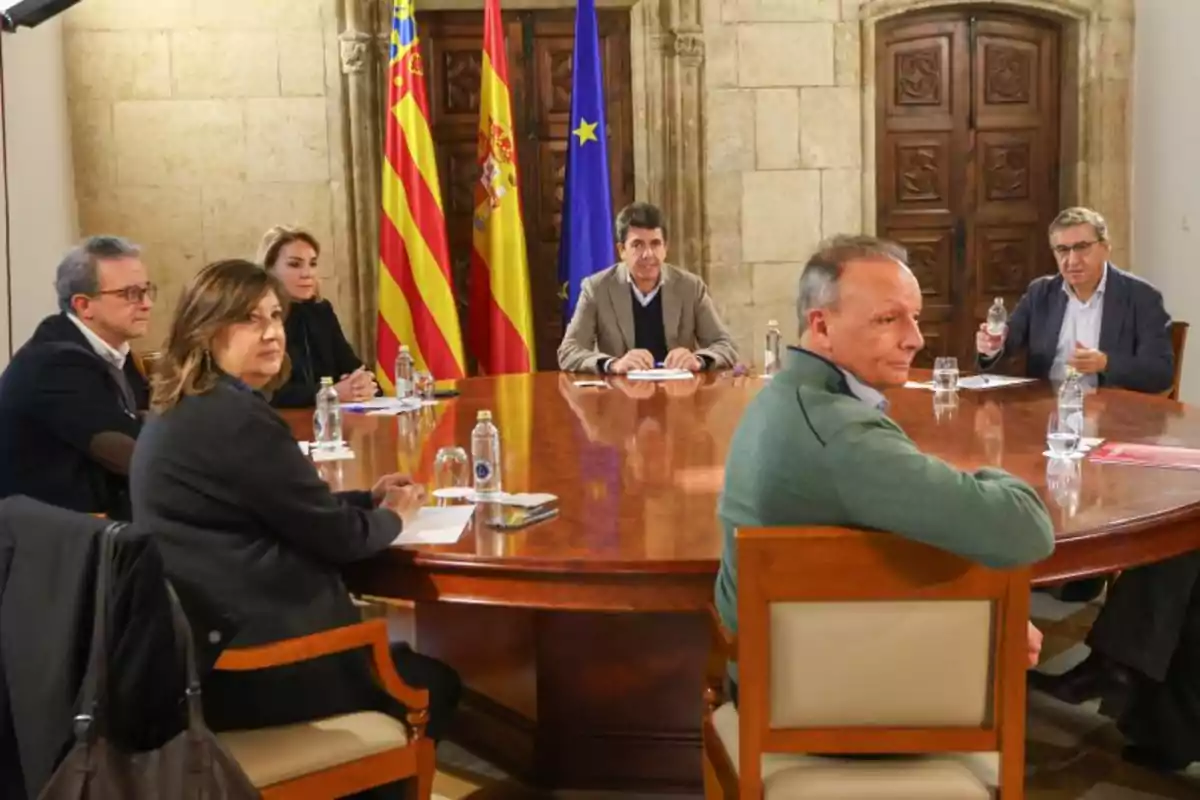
(1179, 333)
(852, 642)
(341, 755)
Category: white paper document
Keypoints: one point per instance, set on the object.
(436, 525)
(388, 405)
(992, 381)
(343, 453)
(660, 375)
(524, 500)
(528, 499)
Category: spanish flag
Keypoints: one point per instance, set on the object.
(416, 287)
(501, 327)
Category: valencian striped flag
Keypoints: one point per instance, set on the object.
(587, 231)
(501, 326)
(416, 288)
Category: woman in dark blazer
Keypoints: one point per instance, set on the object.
(245, 523)
(316, 345)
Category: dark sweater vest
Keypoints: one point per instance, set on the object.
(648, 332)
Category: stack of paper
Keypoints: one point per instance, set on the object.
(341, 452)
(975, 382)
(524, 500)
(388, 405)
(660, 375)
(436, 525)
(992, 381)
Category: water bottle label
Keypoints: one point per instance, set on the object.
(483, 470)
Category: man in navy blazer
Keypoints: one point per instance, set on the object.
(1103, 322)
(72, 397)
(1112, 328)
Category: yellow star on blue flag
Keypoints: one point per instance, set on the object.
(586, 132)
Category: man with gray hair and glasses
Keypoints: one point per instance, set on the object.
(71, 401)
(1091, 318)
(816, 446)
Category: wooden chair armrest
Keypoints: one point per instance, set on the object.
(372, 634)
(723, 639)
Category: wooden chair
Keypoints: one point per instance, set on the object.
(341, 755)
(1179, 333)
(852, 642)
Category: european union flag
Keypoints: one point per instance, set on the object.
(587, 226)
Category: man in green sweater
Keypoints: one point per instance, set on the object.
(816, 447)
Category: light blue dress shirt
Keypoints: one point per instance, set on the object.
(868, 394)
(1081, 324)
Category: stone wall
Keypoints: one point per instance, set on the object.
(198, 125)
(783, 122)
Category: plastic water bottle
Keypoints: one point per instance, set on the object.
(485, 455)
(404, 373)
(771, 359)
(327, 419)
(1070, 404)
(997, 318)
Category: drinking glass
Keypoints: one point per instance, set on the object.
(451, 474)
(945, 374)
(423, 385)
(1062, 435)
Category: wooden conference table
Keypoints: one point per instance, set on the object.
(581, 639)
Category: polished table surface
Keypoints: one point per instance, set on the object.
(581, 640)
(637, 467)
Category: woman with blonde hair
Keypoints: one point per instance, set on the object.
(245, 524)
(316, 345)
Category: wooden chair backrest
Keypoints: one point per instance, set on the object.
(794, 582)
(1179, 333)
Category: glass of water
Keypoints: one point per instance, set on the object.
(451, 474)
(945, 374)
(1062, 435)
(423, 385)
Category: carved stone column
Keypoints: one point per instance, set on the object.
(362, 73)
(685, 63)
(672, 154)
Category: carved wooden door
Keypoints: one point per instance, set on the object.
(540, 47)
(967, 114)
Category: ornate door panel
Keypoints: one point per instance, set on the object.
(1016, 129)
(540, 48)
(967, 155)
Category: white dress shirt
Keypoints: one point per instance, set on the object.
(1081, 324)
(113, 355)
(646, 299)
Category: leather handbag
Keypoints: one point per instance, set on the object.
(191, 766)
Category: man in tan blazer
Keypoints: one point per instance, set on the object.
(643, 313)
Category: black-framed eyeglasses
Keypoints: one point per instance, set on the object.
(134, 294)
(1064, 250)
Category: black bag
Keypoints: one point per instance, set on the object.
(192, 766)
